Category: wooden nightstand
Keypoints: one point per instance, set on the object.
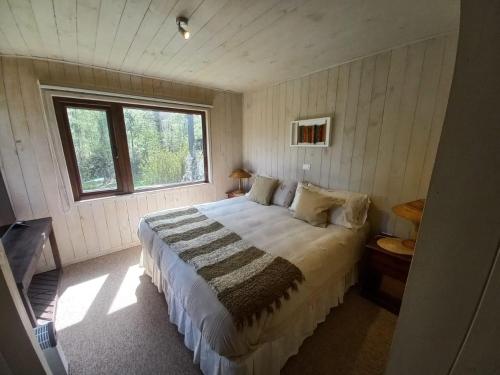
(234, 194)
(383, 276)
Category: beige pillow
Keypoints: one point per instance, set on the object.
(313, 206)
(354, 210)
(262, 190)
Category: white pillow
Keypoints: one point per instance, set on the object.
(354, 211)
(298, 191)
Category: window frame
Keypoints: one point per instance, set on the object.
(118, 141)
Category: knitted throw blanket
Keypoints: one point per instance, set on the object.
(246, 279)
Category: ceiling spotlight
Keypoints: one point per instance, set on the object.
(182, 23)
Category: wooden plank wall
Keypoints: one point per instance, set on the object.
(388, 111)
(97, 227)
(236, 45)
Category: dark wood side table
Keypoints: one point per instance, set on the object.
(383, 276)
(234, 194)
(23, 246)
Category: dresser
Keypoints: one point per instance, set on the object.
(23, 245)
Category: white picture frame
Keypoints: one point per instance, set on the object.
(295, 137)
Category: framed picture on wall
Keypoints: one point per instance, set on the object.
(313, 132)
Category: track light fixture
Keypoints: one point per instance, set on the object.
(182, 23)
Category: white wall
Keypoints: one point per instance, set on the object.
(449, 321)
(388, 111)
(387, 115)
(30, 167)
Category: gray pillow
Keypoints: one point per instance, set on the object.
(262, 190)
(283, 196)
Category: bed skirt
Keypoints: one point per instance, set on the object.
(270, 357)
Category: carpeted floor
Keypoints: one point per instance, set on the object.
(111, 320)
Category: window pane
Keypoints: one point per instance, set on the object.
(164, 147)
(90, 133)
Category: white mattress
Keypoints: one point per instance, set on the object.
(320, 253)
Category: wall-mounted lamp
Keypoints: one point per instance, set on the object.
(182, 23)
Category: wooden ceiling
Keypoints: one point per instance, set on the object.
(237, 45)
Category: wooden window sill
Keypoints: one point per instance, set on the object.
(144, 191)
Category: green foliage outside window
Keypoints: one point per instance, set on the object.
(90, 134)
(164, 147)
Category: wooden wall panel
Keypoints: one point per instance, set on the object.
(235, 45)
(387, 110)
(30, 158)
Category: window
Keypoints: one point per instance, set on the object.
(92, 145)
(117, 148)
(165, 147)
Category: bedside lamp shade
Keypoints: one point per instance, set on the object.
(411, 211)
(239, 174)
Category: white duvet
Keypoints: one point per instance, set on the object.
(320, 253)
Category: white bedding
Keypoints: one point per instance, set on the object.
(320, 253)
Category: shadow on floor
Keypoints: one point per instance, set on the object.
(354, 340)
(112, 320)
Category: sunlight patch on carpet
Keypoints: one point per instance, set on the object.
(126, 295)
(76, 301)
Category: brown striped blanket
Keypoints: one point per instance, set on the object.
(245, 279)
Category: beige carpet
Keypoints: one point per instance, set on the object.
(112, 320)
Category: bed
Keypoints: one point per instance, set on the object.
(327, 257)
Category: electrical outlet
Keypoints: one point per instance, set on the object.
(306, 167)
